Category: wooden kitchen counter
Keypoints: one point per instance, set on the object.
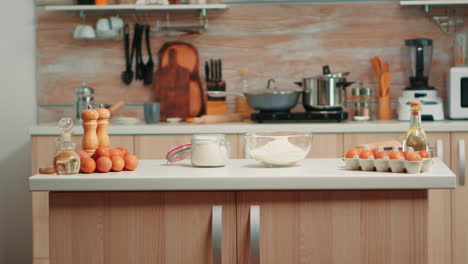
(243, 213)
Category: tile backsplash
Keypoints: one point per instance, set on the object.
(285, 41)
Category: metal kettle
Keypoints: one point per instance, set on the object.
(325, 92)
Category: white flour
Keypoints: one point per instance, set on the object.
(278, 152)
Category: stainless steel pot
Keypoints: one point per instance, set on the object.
(325, 92)
(272, 98)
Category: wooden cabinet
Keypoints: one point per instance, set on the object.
(42, 153)
(142, 227)
(352, 227)
(439, 225)
(460, 199)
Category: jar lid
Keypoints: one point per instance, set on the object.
(179, 153)
(366, 91)
(356, 91)
(84, 90)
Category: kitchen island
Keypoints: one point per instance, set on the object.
(317, 212)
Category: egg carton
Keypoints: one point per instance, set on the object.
(388, 165)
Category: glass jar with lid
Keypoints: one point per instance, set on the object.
(205, 150)
(84, 96)
(209, 150)
(362, 103)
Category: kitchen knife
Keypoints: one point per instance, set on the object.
(211, 70)
(207, 71)
(220, 70)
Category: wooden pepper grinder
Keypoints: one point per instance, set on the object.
(102, 128)
(90, 140)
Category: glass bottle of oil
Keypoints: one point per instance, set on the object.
(416, 138)
(66, 161)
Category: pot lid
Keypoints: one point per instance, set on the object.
(272, 89)
(326, 72)
(84, 90)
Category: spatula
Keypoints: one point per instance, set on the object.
(127, 75)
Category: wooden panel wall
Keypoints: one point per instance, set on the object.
(283, 41)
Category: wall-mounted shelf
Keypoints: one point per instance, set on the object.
(134, 7)
(447, 23)
(435, 2)
(147, 8)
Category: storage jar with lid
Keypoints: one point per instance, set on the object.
(362, 103)
(209, 150)
(84, 96)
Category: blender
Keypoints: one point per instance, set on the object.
(419, 58)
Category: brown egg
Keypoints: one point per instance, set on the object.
(118, 163)
(375, 151)
(116, 152)
(123, 150)
(83, 154)
(365, 154)
(394, 155)
(413, 156)
(101, 152)
(381, 154)
(131, 162)
(352, 153)
(88, 165)
(424, 154)
(103, 164)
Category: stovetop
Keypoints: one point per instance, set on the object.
(322, 116)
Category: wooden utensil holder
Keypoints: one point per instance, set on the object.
(385, 107)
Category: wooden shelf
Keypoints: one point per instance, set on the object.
(133, 7)
(433, 2)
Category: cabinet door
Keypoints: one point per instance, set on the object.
(439, 224)
(334, 227)
(42, 153)
(142, 227)
(460, 199)
(156, 146)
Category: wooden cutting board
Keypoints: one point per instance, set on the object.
(189, 59)
(172, 88)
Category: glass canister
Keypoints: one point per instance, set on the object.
(84, 96)
(362, 103)
(209, 150)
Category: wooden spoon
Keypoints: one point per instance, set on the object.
(376, 68)
(385, 82)
(386, 67)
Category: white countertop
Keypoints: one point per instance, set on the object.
(312, 174)
(245, 127)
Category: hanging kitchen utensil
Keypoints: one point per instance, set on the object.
(149, 67)
(140, 65)
(127, 75)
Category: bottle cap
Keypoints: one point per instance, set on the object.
(244, 71)
(415, 103)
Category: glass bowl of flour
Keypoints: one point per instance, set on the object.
(278, 149)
